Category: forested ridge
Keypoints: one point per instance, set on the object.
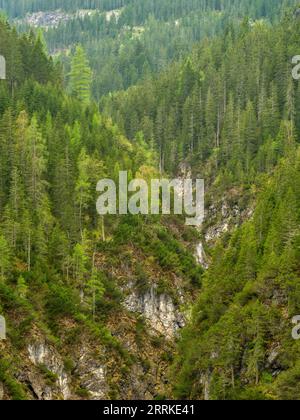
(141, 10)
(231, 111)
(106, 297)
(65, 271)
(239, 342)
(225, 103)
(22, 7)
(143, 37)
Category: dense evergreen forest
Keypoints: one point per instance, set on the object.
(163, 87)
(22, 7)
(231, 110)
(59, 261)
(141, 10)
(143, 37)
(224, 104)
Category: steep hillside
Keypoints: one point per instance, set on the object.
(239, 344)
(142, 307)
(231, 113)
(221, 108)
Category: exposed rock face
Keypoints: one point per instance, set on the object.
(297, 13)
(47, 19)
(92, 376)
(40, 354)
(113, 14)
(139, 389)
(84, 367)
(201, 256)
(273, 361)
(224, 217)
(158, 309)
(2, 328)
(215, 232)
(205, 380)
(54, 18)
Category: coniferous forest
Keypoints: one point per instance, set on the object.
(144, 307)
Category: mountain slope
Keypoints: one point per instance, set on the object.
(94, 306)
(89, 302)
(131, 41)
(239, 344)
(231, 112)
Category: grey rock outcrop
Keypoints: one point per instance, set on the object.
(41, 354)
(201, 256)
(158, 309)
(92, 374)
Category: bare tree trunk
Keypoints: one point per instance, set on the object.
(103, 230)
(80, 217)
(257, 376)
(94, 305)
(232, 377)
(218, 129)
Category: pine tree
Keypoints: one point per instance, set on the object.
(79, 264)
(4, 257)
(249, 134)
(95, 289)
(83, 186)
(22, 287)
(80, 76)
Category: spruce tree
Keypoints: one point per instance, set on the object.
(80, 76)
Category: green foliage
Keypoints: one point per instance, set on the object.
(4, 257)
(61, 301)
(22, 287)
(50, 377)
(83, 393)
(229, 110)
(14, 388)
(239, 312)
(209, 110)
(143, 37)
(80, 76)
